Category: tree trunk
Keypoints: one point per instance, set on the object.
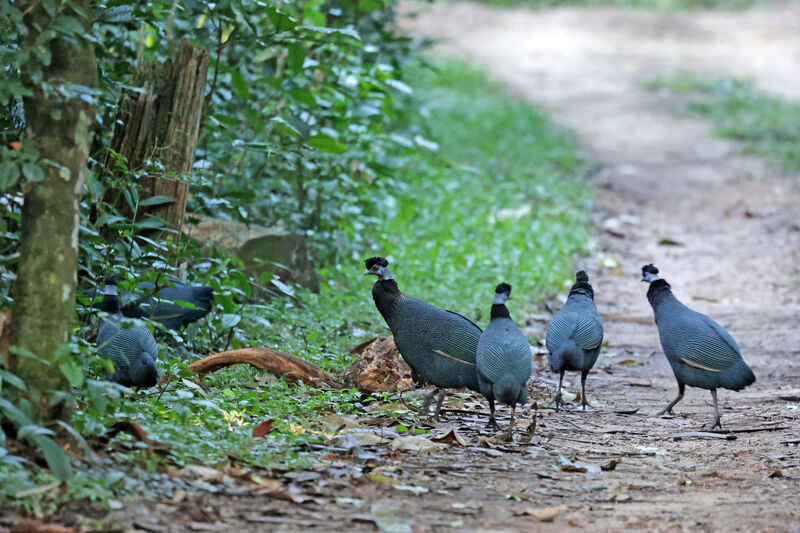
(44, 291)
(160, 124)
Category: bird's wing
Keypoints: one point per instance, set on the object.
(148, 342)
(709, 347)
(588, 333)
(456, 337)
(467, 319)
(503, 349)
(561, 327)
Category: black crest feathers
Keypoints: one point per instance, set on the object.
(503, 288)
(582, 276)
(111, 279)
(376, 261)
(651, 269)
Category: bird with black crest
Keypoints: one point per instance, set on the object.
(701, 353)
(575, 335)
(438, 344)
(504, 359)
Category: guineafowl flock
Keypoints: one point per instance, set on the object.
(450, 351)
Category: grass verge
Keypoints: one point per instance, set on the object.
(767, 125)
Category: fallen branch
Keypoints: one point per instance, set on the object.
(285, 365)
(701, 435)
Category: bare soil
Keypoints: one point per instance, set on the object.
(734, 230)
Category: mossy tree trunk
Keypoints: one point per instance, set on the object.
(60, 129)
(160, 124)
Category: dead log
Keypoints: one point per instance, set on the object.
(284, 365)
(159, 122)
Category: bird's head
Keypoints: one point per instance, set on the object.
(502, 293)
(649, 273)
(378, 266)
(582, 276)
(110, 282)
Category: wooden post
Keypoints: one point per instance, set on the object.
(161, 124)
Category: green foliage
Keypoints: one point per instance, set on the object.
(663, 5)
(765, 124)
(309, 124)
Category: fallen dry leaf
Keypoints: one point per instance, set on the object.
(543, 514)
(338, 422)
(263, 428)
(415, 443)
(450, 437)
(32, 526)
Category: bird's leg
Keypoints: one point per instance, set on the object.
(717, 421)
(439, 401)
(584, 402)
(510, 434)
(558, 394)
(492, 422)
(427, 403)
(668, 410)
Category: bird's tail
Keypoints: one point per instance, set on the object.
(510, 391)
(565, 356)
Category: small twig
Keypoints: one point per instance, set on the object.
(751, 430)
(143, 298)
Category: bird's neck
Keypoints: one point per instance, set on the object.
(582, 288)
(110, 302)
(659, 292)
(385, 293)
(499, 311)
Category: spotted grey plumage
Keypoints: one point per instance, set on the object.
(127, 343)
(439, 344)
(701, 352)
(575, 335)
(504, 359)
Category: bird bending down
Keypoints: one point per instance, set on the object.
(161, 307)
(701, 353)
(131, 347)
(504, 359)
(439, 344)
(575, 335)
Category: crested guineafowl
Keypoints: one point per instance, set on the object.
(575, 335)
(504, 359)
(439, 344)
(161, 308)
(701, 353)
(131, 347)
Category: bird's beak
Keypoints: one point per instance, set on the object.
(366, 272)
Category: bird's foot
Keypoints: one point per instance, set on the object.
(557, 401)
(584, 403)
(667, 411)
(492, 423)
(716, 423)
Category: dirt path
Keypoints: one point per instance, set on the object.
(658, 176)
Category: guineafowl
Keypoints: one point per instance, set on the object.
(701, 353)
(575, 335)
(504, 359)
(131, 347)
(439, 344)
(160, 307)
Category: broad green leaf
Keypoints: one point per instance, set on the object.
(72, 371)
(281, 21)
(240, 84)
(57, 460)
(12, 379)
(326, 143)
(297, 55)
(285, 127)
(157, 200)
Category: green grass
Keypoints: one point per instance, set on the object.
(767, 125)
(501, 199)
(662, 5)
